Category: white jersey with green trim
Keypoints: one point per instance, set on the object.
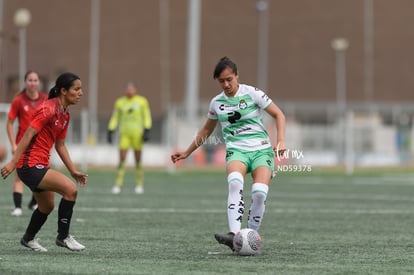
(241, 119)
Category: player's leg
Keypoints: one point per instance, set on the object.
(139, 172)
(32, 177)
(59, 183)
(262, 173)
(236, 171)
(124, 144)
(38, 218)
(17, 196)
(32, 205)
(120, 173)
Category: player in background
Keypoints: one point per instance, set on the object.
(31, 159)
(22, 108)
(133, 117)
(238, 109)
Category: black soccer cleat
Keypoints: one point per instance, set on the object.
(32, 204)
(226, 239)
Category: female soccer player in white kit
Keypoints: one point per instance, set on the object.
(249, 149)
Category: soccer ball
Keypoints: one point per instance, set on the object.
(247, 242)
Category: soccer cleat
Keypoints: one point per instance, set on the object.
(139, 190)
(33, 245)
(116, 190)
(226, 239)
(70, 243)
(17, 212)
(32, 206)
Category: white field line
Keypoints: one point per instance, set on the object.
(342, 197)
(383, 180)
(223, 211)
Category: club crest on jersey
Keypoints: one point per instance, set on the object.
(242, 104)
(63, 125)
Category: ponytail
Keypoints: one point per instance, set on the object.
(53, 93)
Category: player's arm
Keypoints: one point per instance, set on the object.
(147, 114)
(146, 118)
(11, 117)
(65, 157)
(10, 134)
(274, 111)
(25, 141)
(113, 122)
(200, 138)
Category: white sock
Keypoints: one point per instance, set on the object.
(257, 208)
(235, 203)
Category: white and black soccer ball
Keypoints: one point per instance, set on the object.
(247, 242)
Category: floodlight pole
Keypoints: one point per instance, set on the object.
(193, 59)
(93, 70)
(262, 7)
(165, 55)
(340, 45)
(22, 18)
(369, 51)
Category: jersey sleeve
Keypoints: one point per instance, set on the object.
(261, 98)
(41, 117)
(147, 113)
(212, 114)
(14, 109)
(113, 121)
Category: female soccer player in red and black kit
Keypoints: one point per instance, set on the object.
(22, 108)
(31, 159)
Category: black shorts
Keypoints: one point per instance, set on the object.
(32, 176)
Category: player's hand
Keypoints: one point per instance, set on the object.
(80, 177)
(7, 170)
(280, 149)
(109, 136)
(145, 136)
(178, 156)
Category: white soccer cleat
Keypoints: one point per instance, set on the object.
(116, 190)
(139, 190)
(17, 212)
(70, 243)
(33, 245)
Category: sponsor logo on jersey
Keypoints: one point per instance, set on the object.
(233, 133)
(265, 97)
(228, 107)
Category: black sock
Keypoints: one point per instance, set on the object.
(36, 222)
(64, 216)
(32, 202)
(17, 199)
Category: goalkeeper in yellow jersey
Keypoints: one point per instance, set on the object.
(132, 116)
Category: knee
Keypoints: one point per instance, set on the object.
(259, 192)
(46, 208)
(235, 181)
(259, 196)
(71, 194)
